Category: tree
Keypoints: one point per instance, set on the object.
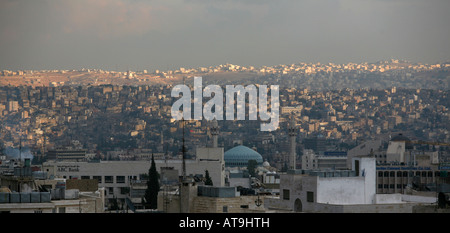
(151, 193)
(208, 180)
(251, 167)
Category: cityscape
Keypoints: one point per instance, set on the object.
(68, 124)
(224, 115)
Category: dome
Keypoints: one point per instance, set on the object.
(240, 155)
(400, 138)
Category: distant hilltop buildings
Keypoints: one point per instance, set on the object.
(312, 76)
(301, 67)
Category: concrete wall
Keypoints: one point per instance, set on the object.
(241, 204)
(341, 190)
(369, 208)
(211, 158)
(396, 152)
(401, 198)
(367, 169)
(82, 205)
(284, 206)
(202, 204)
(388, 198)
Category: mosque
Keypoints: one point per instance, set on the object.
(240, 155)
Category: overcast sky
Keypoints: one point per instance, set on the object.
(168, 34)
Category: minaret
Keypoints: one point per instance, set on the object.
(292, 132)
(214, 133)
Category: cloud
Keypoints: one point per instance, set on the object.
(107, 18)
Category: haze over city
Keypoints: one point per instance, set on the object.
(152, 106)
(137, 35)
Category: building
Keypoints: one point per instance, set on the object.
(24, 191)
(117, 176)
(67, 154)
(125, 179)
(331, 160)
(343, 191)
(240, 155)
(318, 144)
(13, 106)
(374, 147)
(208, 199)
(400, 167)
(290, 109)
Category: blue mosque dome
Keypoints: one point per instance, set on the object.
(240, 155)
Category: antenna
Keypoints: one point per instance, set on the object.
(20, 149)
(183, 150)
(166, 185)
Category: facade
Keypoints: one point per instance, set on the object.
(331, 162)
(118, 176)
(301, 191)
(399, 166)
(397, 178)
(351, 191)
(23, 192)
(83, 203)
(207, 199)
(66, 154)
(318, 144)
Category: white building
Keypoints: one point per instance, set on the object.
(339, 191)
(117, 176)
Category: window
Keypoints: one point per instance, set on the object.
(99, 178)
(310, 196)
(109, 179)
(380, 174)
(111, 190)
(124, 190)
(120, 179)
(286, 194)
(85, 177)
(225, 209)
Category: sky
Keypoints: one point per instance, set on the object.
(168, 34)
